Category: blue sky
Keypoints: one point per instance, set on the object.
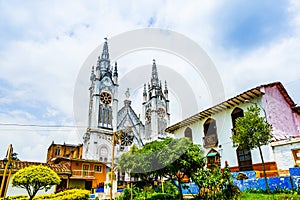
(245, 25)
(44, 43)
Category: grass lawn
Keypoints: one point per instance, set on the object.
(256, 196)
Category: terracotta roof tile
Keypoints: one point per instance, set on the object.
(17, 165)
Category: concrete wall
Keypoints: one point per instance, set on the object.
(279, 113)
(283, 152)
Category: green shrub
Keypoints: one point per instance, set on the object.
(162, 196)
(74, 194)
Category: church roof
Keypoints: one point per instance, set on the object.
(126, 112)
(128, 118)
(232, 102)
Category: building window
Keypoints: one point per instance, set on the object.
(85, 169)
(296, 154)
(188, 133)
(98, 168)
(210, 133)
(210, 127)
(243, 154)
(244, 159)
(236, 113)
(57, 151)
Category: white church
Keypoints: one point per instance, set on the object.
(108, 115)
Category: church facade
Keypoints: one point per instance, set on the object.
(105, 117)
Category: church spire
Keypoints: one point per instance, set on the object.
(154, 77)
(116, 70)
(103, 63)
(92, 74)
(166, 90)
(105, 54)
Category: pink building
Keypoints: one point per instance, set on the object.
(212, 128)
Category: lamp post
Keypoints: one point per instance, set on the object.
(7, 163)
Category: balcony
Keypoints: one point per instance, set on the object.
(210, 141)
(82, 174)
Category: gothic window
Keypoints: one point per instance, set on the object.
(105, 116)
(188, 133)
(100, 114)
(109, 116)
(210, 127)
(148, 115)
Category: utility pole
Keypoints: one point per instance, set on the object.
(7, 163)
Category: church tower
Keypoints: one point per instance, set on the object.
(155, 107)
(103, 109)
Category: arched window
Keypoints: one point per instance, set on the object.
(210, 127)
(188, 133)
(236, 113)
(210, 133)
(103, 151)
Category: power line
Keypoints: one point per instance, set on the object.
(34, 130)
(41, 125)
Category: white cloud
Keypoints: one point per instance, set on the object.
(47, 42)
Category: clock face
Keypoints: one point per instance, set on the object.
(105, 98)
(148, 115)
(161, 112)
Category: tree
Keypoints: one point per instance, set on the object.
(35, 178)
(174, 159)
(253, 131)
(215, 183)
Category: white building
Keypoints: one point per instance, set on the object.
(213, 128)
